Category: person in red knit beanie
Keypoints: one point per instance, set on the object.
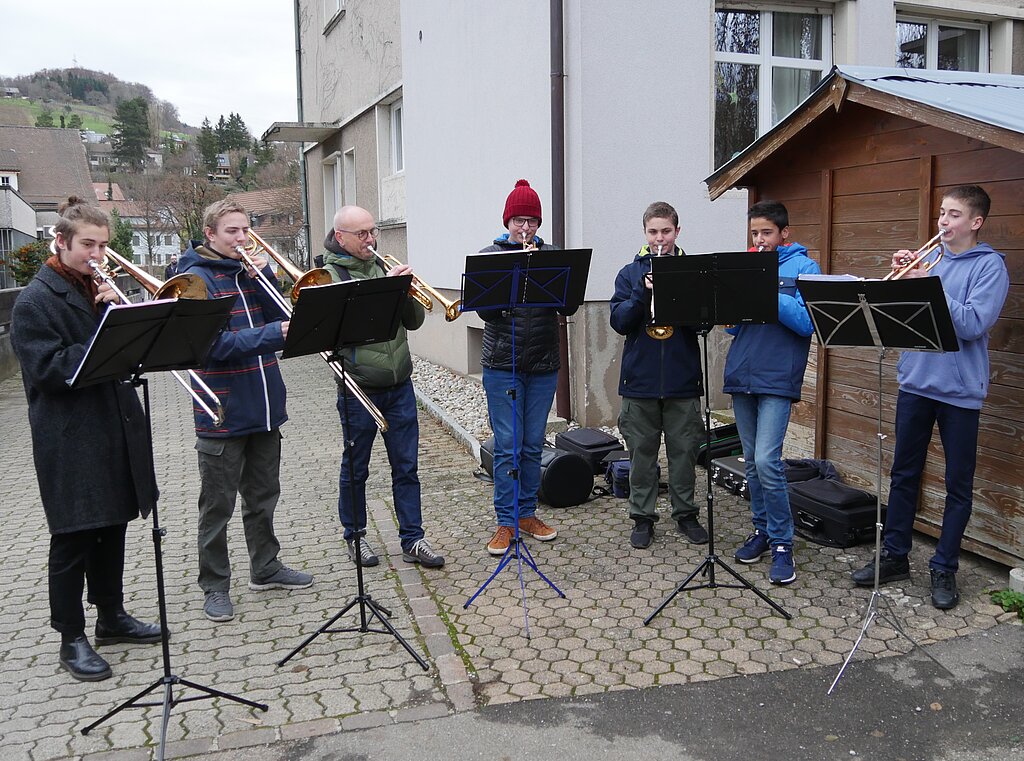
(532, 370)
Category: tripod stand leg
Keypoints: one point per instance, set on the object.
(890, 618)
(504, 562)
(375, 610)
(778, 608)
(672, 595)
(130, 702)
(528, 558)
(318, 632)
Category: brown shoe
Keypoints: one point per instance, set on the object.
(537, 528)
(501, 540)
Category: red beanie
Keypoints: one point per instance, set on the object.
(523, 201)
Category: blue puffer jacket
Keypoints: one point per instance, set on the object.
(651, 369)
(771, 359)
(975, 283)
(242, 367)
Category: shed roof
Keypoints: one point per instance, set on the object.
(989, 106)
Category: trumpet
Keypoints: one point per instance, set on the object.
(658, 332)
(422, 292)
(246, 253)
(919, 257)
(184, 286)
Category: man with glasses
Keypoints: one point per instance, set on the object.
(384, 371)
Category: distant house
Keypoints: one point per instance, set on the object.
(39, 168)
(155, 241)
(223, 170)
(276, 215)
(11, 92)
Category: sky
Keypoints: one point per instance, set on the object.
(207, 57)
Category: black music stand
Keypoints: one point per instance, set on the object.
(911, 315)
(328, 318)
(546, 278)
(701, 291)
(132, 339)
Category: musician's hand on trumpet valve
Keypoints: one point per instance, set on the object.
(902, 258)
(400, 269)
(106, 293)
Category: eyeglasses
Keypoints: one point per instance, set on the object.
(525, 221)
(363, 234)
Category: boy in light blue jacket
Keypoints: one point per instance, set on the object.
(947, 388)
(764, 371)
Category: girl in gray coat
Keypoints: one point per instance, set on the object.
(90, 446)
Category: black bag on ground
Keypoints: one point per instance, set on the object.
(565, 478)
(832, 513)
(592, 444)
(725, 442)
(731, 474)
(616, 475)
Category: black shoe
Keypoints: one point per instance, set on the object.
(643, 533)
(692, 530)
(122, 627)
(944, 592)
(889, 569)
(79, 659)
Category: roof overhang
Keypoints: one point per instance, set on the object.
(299, 132)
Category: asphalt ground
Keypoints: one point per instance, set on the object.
(717, 672)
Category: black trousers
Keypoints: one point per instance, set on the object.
(94, 555)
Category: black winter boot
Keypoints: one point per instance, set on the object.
(115, 625)
(79, 659)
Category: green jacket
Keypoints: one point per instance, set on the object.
(381, 365)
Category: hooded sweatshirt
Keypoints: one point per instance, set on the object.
(241, 368)
(771, 359)
(975, 283)
(381, 365)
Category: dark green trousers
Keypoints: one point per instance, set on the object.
(642, 423)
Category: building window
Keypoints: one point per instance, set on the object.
(932, 44)
(136, 241)
(333, 11)
(397, 144)
(332, 188)
(167, 240)
(5, 180)
(766, 63)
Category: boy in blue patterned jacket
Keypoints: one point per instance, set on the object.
(764, 371)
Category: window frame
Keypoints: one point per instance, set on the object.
(931, 54)
(396, 116)
(767, 62)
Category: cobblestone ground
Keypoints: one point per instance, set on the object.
(591, 641)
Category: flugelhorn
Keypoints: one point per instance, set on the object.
(422, 292)
(658, 332)
(256, 243)
(186, 286)
(918, 257)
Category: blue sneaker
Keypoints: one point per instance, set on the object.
(783, 571)
(752, 549)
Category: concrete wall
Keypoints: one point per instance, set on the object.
(8, 362)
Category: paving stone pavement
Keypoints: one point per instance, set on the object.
(591, 641)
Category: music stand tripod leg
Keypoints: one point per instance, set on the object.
(707, 566)
(367, 606)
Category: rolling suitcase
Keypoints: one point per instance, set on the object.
(833, 513)
(590, 443)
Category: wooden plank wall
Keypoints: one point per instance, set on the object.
(873, 182)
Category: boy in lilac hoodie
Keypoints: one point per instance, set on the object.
(949, 388)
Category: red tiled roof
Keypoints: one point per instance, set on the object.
(101, 191)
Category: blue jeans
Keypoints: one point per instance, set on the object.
(524, 431)
(402, 440)
(958, 429)
(762, 420)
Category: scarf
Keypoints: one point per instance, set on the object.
(84, 284)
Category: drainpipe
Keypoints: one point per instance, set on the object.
(303, 189)
(563, 398)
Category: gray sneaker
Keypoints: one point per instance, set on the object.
(217, 606)
(366, 554)
(285, 578)
(421, 552)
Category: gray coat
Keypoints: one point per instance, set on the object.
(90, 445)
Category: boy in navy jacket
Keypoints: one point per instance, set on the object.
(947, 388)
(764, 371)
(660, 385)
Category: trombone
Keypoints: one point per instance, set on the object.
(316, 276)
(422, 292)
(919, 257)
(184, 286)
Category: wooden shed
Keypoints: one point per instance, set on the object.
(862, 165)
